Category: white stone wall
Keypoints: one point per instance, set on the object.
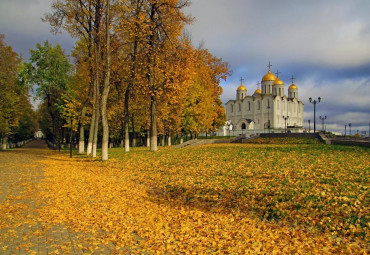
(255, 108)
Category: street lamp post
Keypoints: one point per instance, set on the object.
(268, 115)
(322, 118)
(345, 130)
(314, 102)
(350, 125)
(70, 140)
(285, 118)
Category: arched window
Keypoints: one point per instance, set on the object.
(279, 91)
(277, 103)
(249, 106)
(258, 105)
(244, 126)
(268, 103)
(232, 107)
(240, 107)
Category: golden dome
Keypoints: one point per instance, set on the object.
(293, 86)
(258, 91)
(241, 87)
(278, 82)
(269, 77)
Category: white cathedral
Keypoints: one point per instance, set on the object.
(269, 110)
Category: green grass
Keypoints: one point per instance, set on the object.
(294, 181)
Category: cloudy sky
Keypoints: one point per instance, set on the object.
(324, 44)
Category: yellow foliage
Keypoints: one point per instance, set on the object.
(227, 199)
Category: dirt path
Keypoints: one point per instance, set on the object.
(20, 231)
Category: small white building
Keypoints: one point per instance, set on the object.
(38, 134)
(269, 110)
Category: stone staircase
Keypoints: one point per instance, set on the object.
(323, 138)
(247, 139)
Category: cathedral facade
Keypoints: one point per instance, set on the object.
(266, 110)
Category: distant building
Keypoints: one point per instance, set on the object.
(38, 134)
(266, 110)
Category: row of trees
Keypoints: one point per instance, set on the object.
(133, 68)
(17, 122)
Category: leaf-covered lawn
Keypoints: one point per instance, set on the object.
(227, 198)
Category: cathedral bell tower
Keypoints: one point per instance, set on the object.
(278, 88)
(241, 92)
(292, 90)
(268, 81)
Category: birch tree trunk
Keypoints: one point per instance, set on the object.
(153, 123)
(105, 140)
(91, 130)
(3, 145)
(81, 142)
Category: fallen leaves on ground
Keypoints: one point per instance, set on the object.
(236, 199)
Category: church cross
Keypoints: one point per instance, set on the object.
(241, 80)
(277, 73)
(269, 66)
(258, 84)
(292, 79)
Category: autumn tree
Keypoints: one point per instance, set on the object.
(176, 73)
(90, 20)
(165, 19)
(48, 71)
(203, 110)
(82, 20)
(131, 29)
(13, 96)
(27, 124)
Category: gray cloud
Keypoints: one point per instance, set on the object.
(324, 44)
(20, 21)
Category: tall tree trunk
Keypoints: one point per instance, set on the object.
(127, 118)
(97, 51)
(96, 108)
(127, 95)
(163, 140)
(133, 131)
(91, 130)
(122, 134)
(3, 145)
(105, 140)
(169, 140)
(53, 118)
(81, 143)
(95, 136)
(153, 123)
(92, 74)
(147, 138)
(151, 80)
(127, 136)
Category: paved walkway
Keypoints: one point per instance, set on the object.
(20, 231)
